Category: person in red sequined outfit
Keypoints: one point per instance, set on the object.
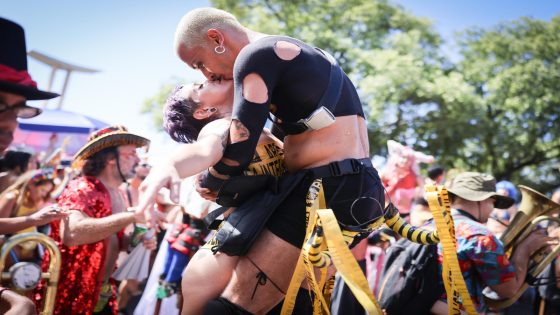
(92, 236)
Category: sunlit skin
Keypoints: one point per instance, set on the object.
(8, 119)
(346, 138)
(215, 99)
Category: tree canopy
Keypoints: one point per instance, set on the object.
(495, 110)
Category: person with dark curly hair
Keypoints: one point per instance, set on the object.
(198, 115)
(93, 234)
(317, 107)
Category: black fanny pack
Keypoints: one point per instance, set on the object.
(245, 223)
(236, 190)
(238, 233)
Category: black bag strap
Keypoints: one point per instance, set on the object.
(211, 220)
(328, 100)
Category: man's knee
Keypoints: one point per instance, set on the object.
(223, 306)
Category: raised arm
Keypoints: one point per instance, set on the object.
(190, 159)
(256, 73)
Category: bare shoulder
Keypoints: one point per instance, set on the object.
(215, 128)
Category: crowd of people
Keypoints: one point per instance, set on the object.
(231, 210)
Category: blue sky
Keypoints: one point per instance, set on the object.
(131, 43)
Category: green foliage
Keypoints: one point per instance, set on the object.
(515, 70)
(154, 104)
(408, 90)
(494, 111)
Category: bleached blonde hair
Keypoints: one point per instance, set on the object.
(191, 31)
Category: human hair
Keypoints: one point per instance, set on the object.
(178, 120)
(13, 159)
(94, 165)
(434, 172)
(191, 31)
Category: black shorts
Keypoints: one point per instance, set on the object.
(355, 199)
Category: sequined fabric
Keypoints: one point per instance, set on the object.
(82, 266)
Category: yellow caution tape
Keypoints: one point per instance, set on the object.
(453, 280)
(324, 237)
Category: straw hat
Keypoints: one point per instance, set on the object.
(113, 136)
(475, 186)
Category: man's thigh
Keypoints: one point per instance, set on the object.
(274, 257)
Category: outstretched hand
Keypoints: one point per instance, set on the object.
(159, 177)
(48, 214)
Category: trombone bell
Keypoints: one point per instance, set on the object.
(534, 209)
(52, 274)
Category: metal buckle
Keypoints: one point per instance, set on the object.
(355, 166)
(335, 169)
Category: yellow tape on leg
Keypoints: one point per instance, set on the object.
(313, 202)
(345, 263)
(337, 245)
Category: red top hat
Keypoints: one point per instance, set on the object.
(14, 77)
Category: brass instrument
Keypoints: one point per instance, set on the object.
(534, 208)
(51, 276)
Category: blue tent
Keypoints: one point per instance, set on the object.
(37, 132)
(57, 120)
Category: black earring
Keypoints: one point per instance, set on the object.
(212, 110)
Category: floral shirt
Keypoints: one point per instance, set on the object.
(481, 256)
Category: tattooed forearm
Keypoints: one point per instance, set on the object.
(238, 132)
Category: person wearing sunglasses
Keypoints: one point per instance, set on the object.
(16, 85)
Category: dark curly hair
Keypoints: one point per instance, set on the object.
(94, 165)
(13, 159)
(178, 120)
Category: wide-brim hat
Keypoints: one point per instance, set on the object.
(475, 186)
(113, 136)
(14, 77)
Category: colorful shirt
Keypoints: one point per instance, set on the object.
(481, 255)
(82, 266)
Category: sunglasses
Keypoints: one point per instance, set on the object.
(22, 110)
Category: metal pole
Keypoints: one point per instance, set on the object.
(49, 87)
(64, 89)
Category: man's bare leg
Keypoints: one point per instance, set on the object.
(273, 256)
(205, 277)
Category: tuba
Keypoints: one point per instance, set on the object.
(26, 275)
(534, 209)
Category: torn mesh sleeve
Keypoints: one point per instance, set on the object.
(262, 60)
